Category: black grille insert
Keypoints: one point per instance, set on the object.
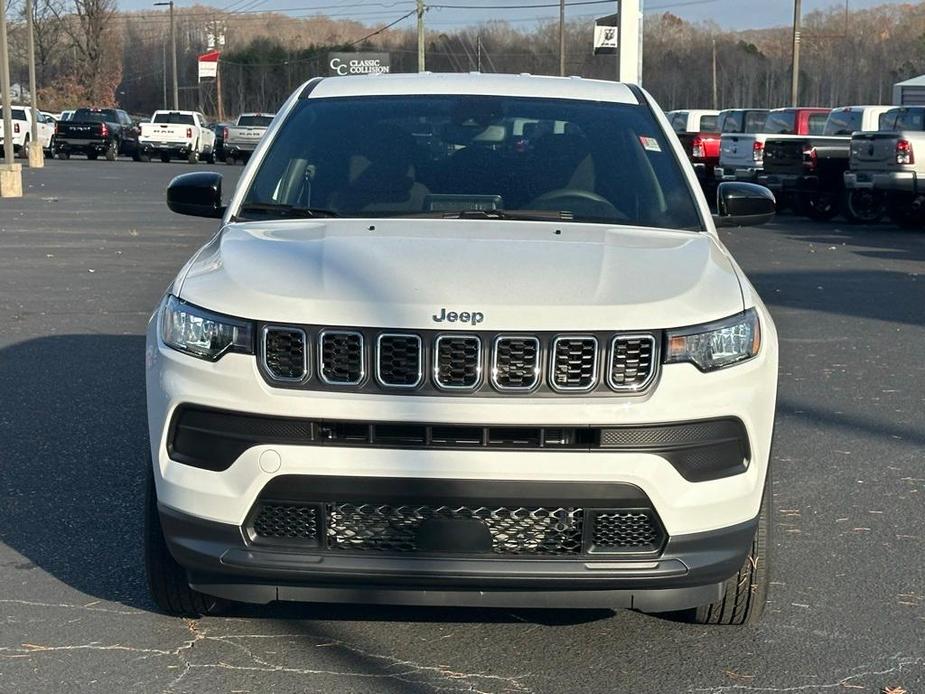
(516, 363)
(458, 362)
(632, 362)
(625, 531)
(285, 353)
(517, 530)
(574, 363)
(399, 360)
(286, 522)
(341, 356)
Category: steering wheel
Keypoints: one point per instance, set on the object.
(581, 202)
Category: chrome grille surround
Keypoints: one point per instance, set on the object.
(466, 342)
(565, 362)
(326, 367)
(420, 359)
(271, 363)
(648, 357)
(498, 377)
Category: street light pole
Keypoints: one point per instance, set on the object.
(10, 172)
(36, 153)
(421, 9)
(795, 65)
(173, 52)
(561, 38)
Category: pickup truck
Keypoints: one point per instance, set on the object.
(22, 130)
(96, 131)
(810, 170)
(177, 134)
(741, 156)
(241, 139)
(431, 371)
(698, 131)
(885, 163)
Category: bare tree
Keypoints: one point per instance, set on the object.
(98, 48)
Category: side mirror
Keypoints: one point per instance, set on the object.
(743, 204)
(197, 194)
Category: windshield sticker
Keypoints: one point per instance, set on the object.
(650, 144)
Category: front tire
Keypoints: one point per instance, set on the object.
(165, 158)
(167, 582)
(745, 594)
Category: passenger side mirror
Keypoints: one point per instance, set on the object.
(743, 204)
(197, 194)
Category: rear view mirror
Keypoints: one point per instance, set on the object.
(197, 194)
(743, 204)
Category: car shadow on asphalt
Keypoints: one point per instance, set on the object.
(73, 434)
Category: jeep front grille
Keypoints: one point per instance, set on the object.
(341, 357)
(458, 362)
(399, 360)
(516, 363)
(285, 353)
(574, 363)
(632, 361)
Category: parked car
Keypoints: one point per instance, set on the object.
(22, 130)
(177, 134)
(884, 164)
(97, 131)
(698, 131)
(219, 147)
(371, 385)
(241, 139)
(810, 170)
(741, 156)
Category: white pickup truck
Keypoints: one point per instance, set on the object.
(242, 138)
(22, 130)
(177, 135)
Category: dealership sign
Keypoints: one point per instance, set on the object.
(208, 65)
(607, 34)
(343, 64)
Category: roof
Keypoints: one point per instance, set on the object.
(475, 83)
(913, 82)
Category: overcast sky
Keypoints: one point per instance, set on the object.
(733, 14)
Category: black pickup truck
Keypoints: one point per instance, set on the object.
(809, 170)
(96, 131)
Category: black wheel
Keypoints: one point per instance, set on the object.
(64, 155)
(144, 157)
(112, 151)
(863, 206)
(821, 207)
(210, 157)
(745, 594)
(92, 156)
(24, 150)
(903, 214)
(193, 156)
(167, 581)
(165, 158)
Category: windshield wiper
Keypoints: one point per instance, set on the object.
(521, 215)
(284, 210)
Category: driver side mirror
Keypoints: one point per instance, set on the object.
(743, 204)
(197, 194)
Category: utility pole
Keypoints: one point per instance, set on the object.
(715, 93)
(561, 38)
(164, 73)
(36, 153)
(173, 51)
(10, 172)
(795, 65)
(420, 12)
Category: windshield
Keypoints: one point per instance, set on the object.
(174, 118)
(843, 123)
(257, 121)
(411, 155)
(780, 123)
(87, 115)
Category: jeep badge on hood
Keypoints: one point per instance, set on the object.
(474, 317)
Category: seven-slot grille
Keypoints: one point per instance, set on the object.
(340, 356)
(516, 363)
(285, 353)
(524, 531)
(314, 358)
(399, 360)
(573, 364)
(458, 362)
(632, 360)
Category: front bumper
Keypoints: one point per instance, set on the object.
(887, 181)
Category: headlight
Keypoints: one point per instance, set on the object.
(204, 334)
(716, 345)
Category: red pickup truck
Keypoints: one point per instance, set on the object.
(698, 130)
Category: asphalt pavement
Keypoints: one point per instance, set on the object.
(85, 256)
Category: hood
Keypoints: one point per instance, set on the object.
(402, 273)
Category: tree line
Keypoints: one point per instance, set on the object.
(87, 52)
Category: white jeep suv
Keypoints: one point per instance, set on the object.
(468, 340)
